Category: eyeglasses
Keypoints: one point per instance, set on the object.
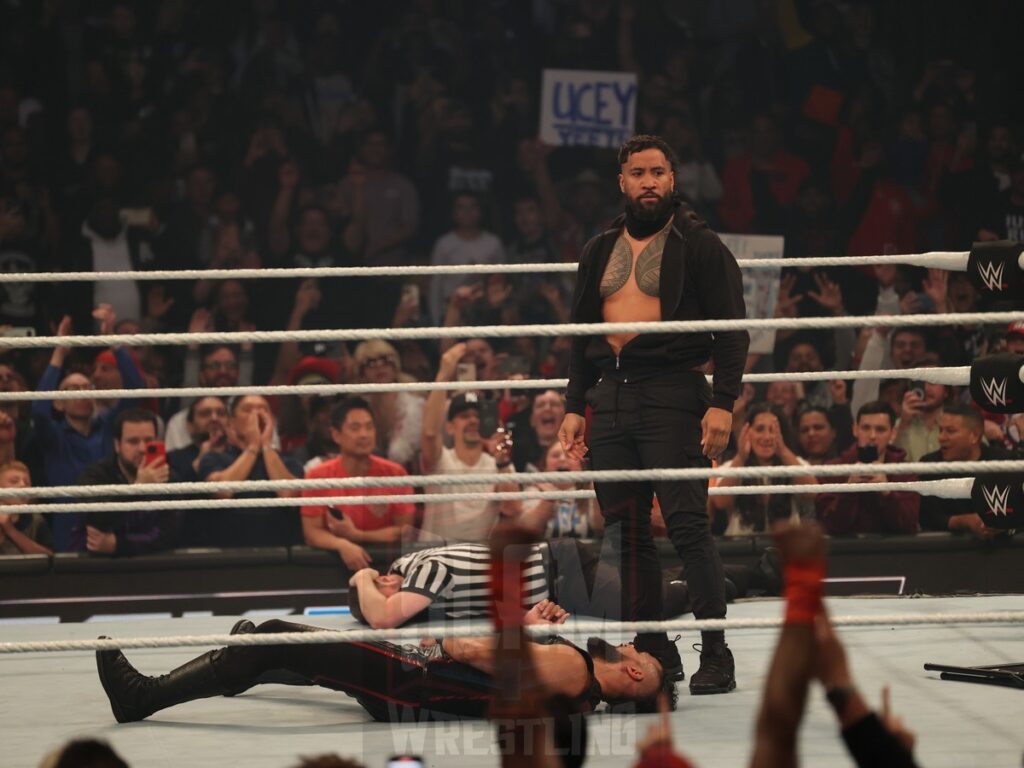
(220, 365)
(375, 361)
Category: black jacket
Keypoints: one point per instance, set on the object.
(936, 511)
(700, 280)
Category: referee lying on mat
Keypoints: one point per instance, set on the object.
(450, 582)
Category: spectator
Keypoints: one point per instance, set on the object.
(107, 244)
(843, 514)
(142, 531)
(398, 416)
(467, 243)
(907, 348)
(216, 365)
(250, 455)
(344, 528)
(206, 424)
(294, 410)
(760, 184)
(786, 396)
(817, 435)
(83, 436)
(21, 533)
(1005, 219)
(470, 454)
(961, 429)
(318, 445)
(531, 444)
(761, 443)
(917, 430)
(550, 518)
(391, 207)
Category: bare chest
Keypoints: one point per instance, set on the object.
(634, 268)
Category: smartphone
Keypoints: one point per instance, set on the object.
(136, 217)
(23, 330)
(867, 454)
(514, 364)
(488, 410)
(918, 387)
(155, 451)
(411, 294)
(405, 761)
(465, 372)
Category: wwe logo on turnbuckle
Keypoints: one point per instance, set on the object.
(992, 274)
(995, 390)
(997, 499)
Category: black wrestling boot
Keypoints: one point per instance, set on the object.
(665, 651)
(717, 673)
(243, 627)
(134, 696)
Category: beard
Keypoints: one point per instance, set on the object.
(599, 648)
(644, 219)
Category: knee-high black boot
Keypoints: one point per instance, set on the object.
(134, 696)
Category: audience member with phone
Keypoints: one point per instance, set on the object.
(871, 512)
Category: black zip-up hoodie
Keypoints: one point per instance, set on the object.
(700, 280)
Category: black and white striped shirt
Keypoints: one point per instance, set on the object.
(456, 578)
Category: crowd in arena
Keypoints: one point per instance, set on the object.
(188, 135)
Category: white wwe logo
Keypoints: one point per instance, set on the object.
(995, 390)
(997, 499)
(992, 274)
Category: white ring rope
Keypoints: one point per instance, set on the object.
(508, 331)
(954, 375)
(575, 628)
(955, 261)
(490, 478)
(950, 488)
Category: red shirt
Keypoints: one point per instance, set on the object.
(366, 517)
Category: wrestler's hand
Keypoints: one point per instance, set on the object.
(570, 435)
(361, 575)
(546, 612)
(716, 426)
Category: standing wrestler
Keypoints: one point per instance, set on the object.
(652, 407)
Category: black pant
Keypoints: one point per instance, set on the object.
(654, 423)
(391, 682)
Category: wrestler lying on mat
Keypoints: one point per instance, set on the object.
(452, 678)
(450, 582)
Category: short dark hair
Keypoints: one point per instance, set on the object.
(911, 329)
(208, 349)
(971, 416)
(815, 409)
(341, 410)
(643, 141)
(88, 752)
(353, 606)
(134, 416)
(191, 414)
(648, 704)
(877, 406)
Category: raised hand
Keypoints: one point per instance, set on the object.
(829, 295)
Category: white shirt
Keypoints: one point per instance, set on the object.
(113, 256)
(461, 520)
(450, 249)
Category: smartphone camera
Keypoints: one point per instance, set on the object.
(917, 387)
(867, 454)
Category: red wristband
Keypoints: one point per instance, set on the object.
(804, 589)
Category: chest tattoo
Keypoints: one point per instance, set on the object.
(620, 266)
(648, 265)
